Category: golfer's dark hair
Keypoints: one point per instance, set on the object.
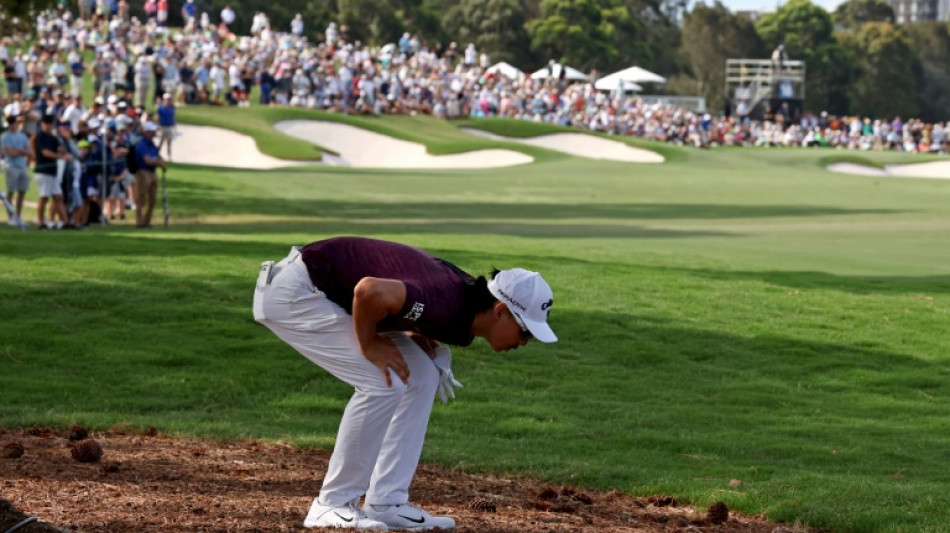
(483, 298)
(477, 295)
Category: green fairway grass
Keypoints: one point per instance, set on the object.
(727, 315)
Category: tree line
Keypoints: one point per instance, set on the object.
(858, 60)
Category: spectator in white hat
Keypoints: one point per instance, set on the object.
(228, 16)
(143, 80)
(296, 25)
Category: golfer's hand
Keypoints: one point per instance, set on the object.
(447, 381)
(383, 353)
(428, 346)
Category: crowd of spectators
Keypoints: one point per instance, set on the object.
(134, 65)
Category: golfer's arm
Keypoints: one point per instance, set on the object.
(373, 300)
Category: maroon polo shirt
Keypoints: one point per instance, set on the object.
(439, 299)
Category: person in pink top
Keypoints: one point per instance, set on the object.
(151, 9)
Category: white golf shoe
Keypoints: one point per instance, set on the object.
(407, 517)
(347, 516)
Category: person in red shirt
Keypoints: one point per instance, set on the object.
(163, 12)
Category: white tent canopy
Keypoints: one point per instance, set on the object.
(633, 75)
(553, 71)
(506, 69)
(617, 84)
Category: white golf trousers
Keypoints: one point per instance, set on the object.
(383, 428)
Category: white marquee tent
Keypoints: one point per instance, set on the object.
(506, 69)
(634, 75)
(617, 84)
(555, 73)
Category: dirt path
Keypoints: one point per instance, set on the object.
(151, 483)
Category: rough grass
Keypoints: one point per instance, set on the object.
(737, 315)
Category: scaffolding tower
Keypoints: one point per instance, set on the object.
(758, 83)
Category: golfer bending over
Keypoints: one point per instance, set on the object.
(374, 314)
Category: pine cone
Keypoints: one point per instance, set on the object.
(87, 451)
(717, 513)
(483, 504)
(77, 432)
(12, 450)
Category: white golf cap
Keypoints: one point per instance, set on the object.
(528, 297)
(150, 126)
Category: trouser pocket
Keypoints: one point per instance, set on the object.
(263, 282)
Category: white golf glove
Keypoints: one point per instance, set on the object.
(447, 382)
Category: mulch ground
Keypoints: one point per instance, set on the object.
(148, 482)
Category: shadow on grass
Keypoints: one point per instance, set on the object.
(538, 230)
(823, 280)
(127, 241)
(203, 327)
(203, 198)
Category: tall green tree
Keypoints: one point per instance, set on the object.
(495, 26)
(660, 25)
(419, 18)
(854, 13)
(799, 24)
(931, 43)
(587, 34)
(806, 30)
(374, 22)
(888, 69)
(711, 35)
(23, 10)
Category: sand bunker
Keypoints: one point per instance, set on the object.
(934, 169)
(582, 145)
(365, 149)
(207, 145)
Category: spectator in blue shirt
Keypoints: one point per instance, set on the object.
(76, 71)
(166, 121)
(188, 13)
(146, 183)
